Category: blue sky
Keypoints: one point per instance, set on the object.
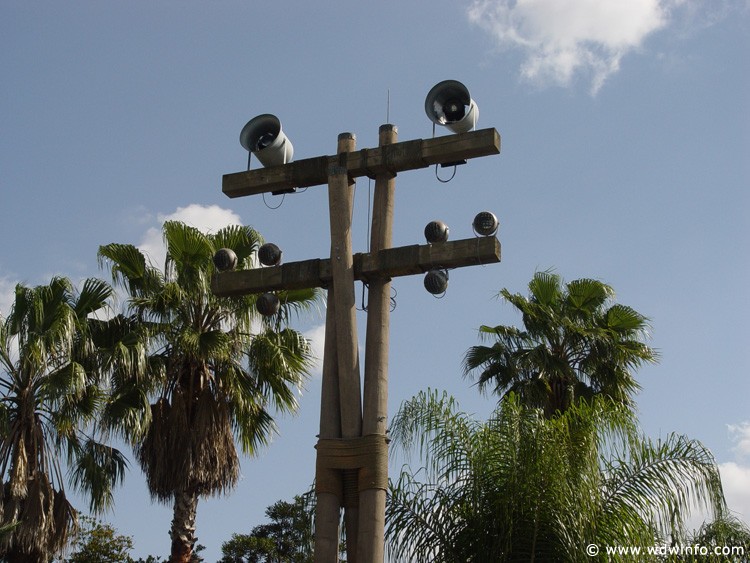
(625, 140)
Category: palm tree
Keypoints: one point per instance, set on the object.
(728, 533)
(51, 392)
(213, 371)
(576, 343)
(524, 487)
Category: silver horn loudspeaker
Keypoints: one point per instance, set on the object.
(449, 104)
(263, 137)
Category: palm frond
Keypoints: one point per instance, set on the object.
(624, 319)
(188, 375)
(253, 425)
(545, 288)
(524, 486)
(664, 480)
(585, 296)
(726, 530)
(97, 469)
(126, 262)
(280, 363)
(93, 297)
(127, 411)
(572, 341)
(244, 241)
(429, 422)
(189, 256)
(51, 396)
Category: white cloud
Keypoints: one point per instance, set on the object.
(204, 218)
(152, 246)
(735, 479)
(741, 436)
(317, 337)
(566, 38)
(209, 218)
(735, 476)
(7, 295)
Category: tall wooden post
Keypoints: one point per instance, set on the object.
(329, 496)
(375, 413)
(352, 456)
(341, 206)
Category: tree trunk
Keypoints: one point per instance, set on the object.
(183, 527)
(558, 400)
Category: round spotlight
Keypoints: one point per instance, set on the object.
(269, 254)
(485, 224)
(436, 231)
(225, 259)
(436, 281)
(268, 304)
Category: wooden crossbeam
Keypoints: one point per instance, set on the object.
(388, 263)
(396, 157)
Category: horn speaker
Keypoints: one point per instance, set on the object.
(449, 103)
(263, 137)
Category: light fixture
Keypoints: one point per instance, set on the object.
(268, 304)
(269, 254)
(436, 281)
(225, 259)
(436, 231)
(485, 224)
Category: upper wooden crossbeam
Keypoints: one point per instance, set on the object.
(397, 157)
(388, 263)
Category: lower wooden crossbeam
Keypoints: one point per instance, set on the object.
(385, 264)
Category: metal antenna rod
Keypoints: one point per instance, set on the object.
(388, 107)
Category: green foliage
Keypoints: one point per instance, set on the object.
(286, 539)
(99, 542)
(561, 463)
(51, 391)
(195, 374)
(576, 343)
(726, 531)
(244, 548)
(522, 486)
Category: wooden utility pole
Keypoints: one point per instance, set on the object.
(375, 412)
(352, 453)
